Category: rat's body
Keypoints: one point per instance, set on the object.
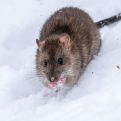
(68, 41)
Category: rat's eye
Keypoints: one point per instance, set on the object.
(45, 63)
(60, 61)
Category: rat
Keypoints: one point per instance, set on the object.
(67, 43)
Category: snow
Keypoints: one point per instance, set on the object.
(97, 96)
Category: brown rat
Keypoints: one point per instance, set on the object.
(68, 41)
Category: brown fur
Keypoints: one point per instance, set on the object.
(71, 34)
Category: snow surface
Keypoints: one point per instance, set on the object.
(97, 97)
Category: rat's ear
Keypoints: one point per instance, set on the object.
(40, 43)
(65, 40)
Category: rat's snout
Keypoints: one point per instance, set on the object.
(51, 76)
(54, 76)
(52, 79)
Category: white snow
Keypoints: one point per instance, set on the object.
(97, 97)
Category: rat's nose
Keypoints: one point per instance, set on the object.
(52, 79)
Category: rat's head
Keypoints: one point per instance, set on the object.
(55, 58)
